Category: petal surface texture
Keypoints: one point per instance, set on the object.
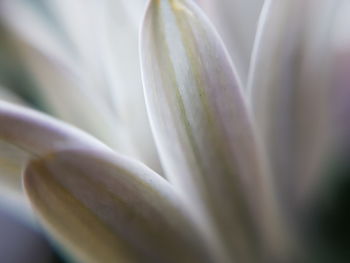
(202, 128)
(105, 208)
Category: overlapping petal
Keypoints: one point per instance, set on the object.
(25, 133)
(60, 69)
(107, 208)
(289, 87)
(298, 87)
(37, 133)
(81, 53)
(118, 23)
(12, 160)
(236, 21)
(202, 127)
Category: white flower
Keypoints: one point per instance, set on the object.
(244, 148)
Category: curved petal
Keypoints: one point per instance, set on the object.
(202, 128)
(85, 54)
(63, 91)
(59, 68)
(12, 160)
(12, 199)
(118, 23)
(236, 21)
(105, 208)
(324, 194)
(37, 133)
(337, 58)
(25, 133)
(289, 85)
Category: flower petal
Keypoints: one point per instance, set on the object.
(25, 133)
(202, 128)
(105, 208)
(37, 133)
(60, 71)
(118, 23)
(323, 196)
(85, 54)
(12, 161)
(289, 86)
(236, 21)
(63, 90)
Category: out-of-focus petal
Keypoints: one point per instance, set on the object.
(325, 195)
(337, 39)
(12, 199)
(9, 96)
(289, 84)
(83, 56)
(202, 128)
(12, 160)
(299, 88)
(105, 208)
(59, 69)
(25, 133)
(14, 76)
(236, 21)
(62, 89)
(38, 133)
(118, 37)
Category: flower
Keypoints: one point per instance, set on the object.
(250, 156)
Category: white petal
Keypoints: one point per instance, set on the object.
(201, 126)
(25, 133)
(58, 69)
(119, 49)
(87, 59)
(236, 21)
(105, 208)
(12, 161)
(38, 133)
(289, 85)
